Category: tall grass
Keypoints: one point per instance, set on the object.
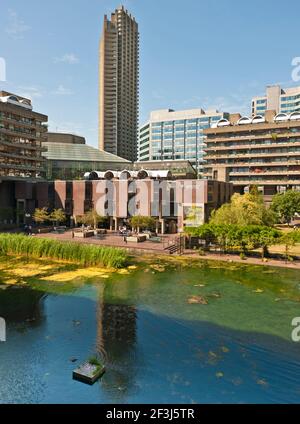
(83, 254)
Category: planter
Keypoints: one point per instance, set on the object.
(136, 239)
(88, 373)
(84, 234)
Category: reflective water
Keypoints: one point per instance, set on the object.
(156, 346)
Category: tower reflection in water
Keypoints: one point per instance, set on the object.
(116, 343)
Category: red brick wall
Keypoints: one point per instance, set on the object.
(60, 194)
(78, 197)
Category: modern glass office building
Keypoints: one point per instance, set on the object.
(281, 100)
(176, 135)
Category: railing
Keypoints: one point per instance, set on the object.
(175, 245)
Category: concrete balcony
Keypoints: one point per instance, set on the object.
(252, 146)
(21, 134)
(23, 146)
(264, 173)
(253, 137)
(253, 155)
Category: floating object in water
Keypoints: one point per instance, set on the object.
(217, 295)
(73, 359)
(89, 372)
(199, 285)
(219, 374)
(262, 382)
(258, 291)
(197, 299)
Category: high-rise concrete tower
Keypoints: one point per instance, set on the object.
(119, 85)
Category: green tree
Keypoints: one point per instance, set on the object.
(268, 237)
(247, 209)
(142, 222)
(57, 216)
(41, 215)
(91, 218)
(289, 239)
(237, 237)
(286, 205)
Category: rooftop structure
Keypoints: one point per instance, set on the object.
(285, 100)
(66, 138)
(68, 157)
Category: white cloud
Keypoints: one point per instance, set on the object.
(69, 58)
(62, 91)
(30, 92)
(16, 26)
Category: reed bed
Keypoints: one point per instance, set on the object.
(83, 254)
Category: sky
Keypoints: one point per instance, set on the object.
(193, 53)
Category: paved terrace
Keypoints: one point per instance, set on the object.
(114, 240)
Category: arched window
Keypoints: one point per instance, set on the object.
(244, 120)
(295, 116)
(281, 117)
(223, 123)
(258, 119)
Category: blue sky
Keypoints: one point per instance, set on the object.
(194, 53)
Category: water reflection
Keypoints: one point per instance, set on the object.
(116, 343)
(22, 305)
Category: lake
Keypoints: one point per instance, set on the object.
(156, 346)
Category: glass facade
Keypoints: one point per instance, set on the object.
(181, 139)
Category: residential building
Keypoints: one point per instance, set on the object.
(22, 132)
(285, 100)
(69, 157)
(176, 135)
(119, 85)
(262, 151)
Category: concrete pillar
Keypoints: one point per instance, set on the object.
(116, 224)
(163, 226)
(111, 223)
(157, 227)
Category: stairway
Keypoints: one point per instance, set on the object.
(173, 248)
(176, 246)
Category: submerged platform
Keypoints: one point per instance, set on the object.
(88, 373)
